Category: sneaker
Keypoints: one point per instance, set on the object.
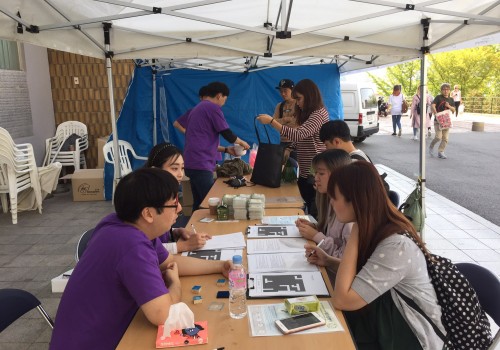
(429, 134)
(393, 134)
(431, 151)
(441, 155)
(399, 133)
(415, 138)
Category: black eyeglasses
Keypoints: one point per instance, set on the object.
(171, 205)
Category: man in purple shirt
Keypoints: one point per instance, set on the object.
(205, 123)
(181, 122)
(125, 267)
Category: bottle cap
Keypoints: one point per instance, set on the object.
(237, 259)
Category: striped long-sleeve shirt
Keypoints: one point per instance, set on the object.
(306, 139)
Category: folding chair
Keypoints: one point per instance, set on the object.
(16, 302)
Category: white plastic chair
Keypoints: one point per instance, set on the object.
(53, 145)
(18, 172)
(125, 149)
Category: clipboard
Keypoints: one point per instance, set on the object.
(286, 284)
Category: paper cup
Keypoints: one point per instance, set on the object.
(239, 150)
(213, 203)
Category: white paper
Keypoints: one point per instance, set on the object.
(286, 284)
(273, 231)
(215, 254)
(262, 318)
(276, 245)
(286, 220)
(229, 241)
(285, 262)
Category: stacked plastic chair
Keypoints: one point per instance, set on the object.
(18, 172)
(75, 157)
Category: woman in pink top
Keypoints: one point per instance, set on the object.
(332, 232)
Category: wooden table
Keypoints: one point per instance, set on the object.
(285, 196)
(223, 331)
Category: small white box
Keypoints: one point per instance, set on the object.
(59, 282)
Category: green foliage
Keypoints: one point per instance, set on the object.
(475, 70)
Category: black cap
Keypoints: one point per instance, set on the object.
(285, 83)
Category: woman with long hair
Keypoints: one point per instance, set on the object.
(305, 140)
(169, 158)
(377, 261)
(329, 229)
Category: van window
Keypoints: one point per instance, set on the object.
(368, 98)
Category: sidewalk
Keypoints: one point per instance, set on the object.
(451, 230)
(461, 124)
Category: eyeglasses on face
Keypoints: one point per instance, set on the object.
(175, 205)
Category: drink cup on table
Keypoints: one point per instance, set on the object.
(213, 203)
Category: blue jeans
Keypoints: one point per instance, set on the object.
(201, 183)
(396, 120)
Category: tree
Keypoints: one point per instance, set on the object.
(475, 70)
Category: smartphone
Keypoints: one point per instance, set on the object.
(299, 323)
(222, 294)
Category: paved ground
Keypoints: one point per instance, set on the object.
(469, 176)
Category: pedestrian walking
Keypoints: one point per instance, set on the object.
(441, 102)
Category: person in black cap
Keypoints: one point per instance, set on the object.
(284, 113)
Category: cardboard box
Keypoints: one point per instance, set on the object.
(59, 283)
(101, 141)
(187, 197)
(88, 185)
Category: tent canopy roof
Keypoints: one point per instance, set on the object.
(236, 35)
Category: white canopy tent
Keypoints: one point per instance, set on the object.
(239, 35)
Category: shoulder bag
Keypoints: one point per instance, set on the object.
(268, 162)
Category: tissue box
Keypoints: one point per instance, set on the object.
(299, 305)
(59, 282)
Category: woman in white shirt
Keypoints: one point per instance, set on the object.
(396, 108)
(457, 98)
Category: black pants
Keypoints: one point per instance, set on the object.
(308, 194)
(380, 326)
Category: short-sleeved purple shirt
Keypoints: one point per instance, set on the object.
(118, 273)
(206, 121)
(183, 119)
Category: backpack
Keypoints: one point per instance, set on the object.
(465, 322)
(383, 176)
(233, 167)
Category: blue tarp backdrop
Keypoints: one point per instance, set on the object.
(250, 94)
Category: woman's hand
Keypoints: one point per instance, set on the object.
(318, 256)
(307, 231)
(264, 118)
(171, 274)
(305, 222)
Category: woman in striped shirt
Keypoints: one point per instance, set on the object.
(305, 138)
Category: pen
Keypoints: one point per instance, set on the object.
(319, 245)
(194, 230)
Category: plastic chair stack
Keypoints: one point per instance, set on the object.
(125, 149)
(74, 158)
(18, 172)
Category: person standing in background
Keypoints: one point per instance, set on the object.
(181, 122)
(205, 123)
(285, 111)
(441, 103)
(415, 113)
(396, 108)
(305, 137)
(457, 98)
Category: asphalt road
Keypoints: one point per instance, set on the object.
(470, 176)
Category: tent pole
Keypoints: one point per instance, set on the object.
(155, 141)
(109, 55)
(423, 109)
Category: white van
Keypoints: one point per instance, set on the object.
(360, 109)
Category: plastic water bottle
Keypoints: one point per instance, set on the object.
(237, 289)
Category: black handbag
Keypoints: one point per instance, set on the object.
(268, 162)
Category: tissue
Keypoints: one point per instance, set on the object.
(180, 316)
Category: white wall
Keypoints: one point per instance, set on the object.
(42, 108)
